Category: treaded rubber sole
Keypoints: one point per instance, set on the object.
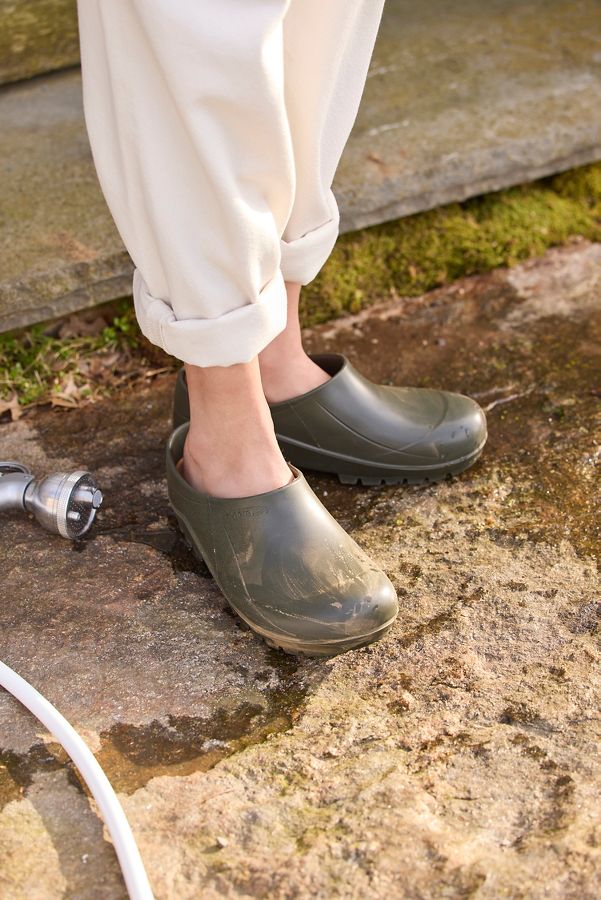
(350, 471)
(327, 649)
(277, 642)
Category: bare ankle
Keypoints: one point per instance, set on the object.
(231, 449)
(286, 370)
(290, 377)
(223, 471)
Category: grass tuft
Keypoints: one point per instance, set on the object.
(69, 362)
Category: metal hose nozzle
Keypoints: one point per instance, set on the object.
(64, 503)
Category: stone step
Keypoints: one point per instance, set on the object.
(462, 98)
(37, 36)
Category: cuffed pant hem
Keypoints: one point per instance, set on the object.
(303, 258)
(234, 337)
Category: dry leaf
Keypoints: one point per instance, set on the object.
(68, 395)
(69, 388)
(82, 326)
(58, 400)
(11, 406)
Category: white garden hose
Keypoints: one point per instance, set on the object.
(127, 851)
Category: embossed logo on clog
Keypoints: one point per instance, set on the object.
(248, 512)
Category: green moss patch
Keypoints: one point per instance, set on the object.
(92, 354)
(418, 253)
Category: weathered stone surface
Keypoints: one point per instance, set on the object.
(468, 97)
(30, 865)
(462, 98)
(37, 36)
(458, 757)
(59, 246)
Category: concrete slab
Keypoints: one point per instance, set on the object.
(59, 246)
(458, 757)
(37, 36)
(462, 98)
(468, 97)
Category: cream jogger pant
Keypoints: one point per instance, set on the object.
(216, 128)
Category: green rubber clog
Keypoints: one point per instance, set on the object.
(369, 433)
(284, 564)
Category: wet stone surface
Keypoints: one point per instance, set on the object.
(459, 757)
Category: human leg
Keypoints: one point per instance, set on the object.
(286, 370)
(326, 59)
(185, 108)
(231, 449)
(189, 130)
